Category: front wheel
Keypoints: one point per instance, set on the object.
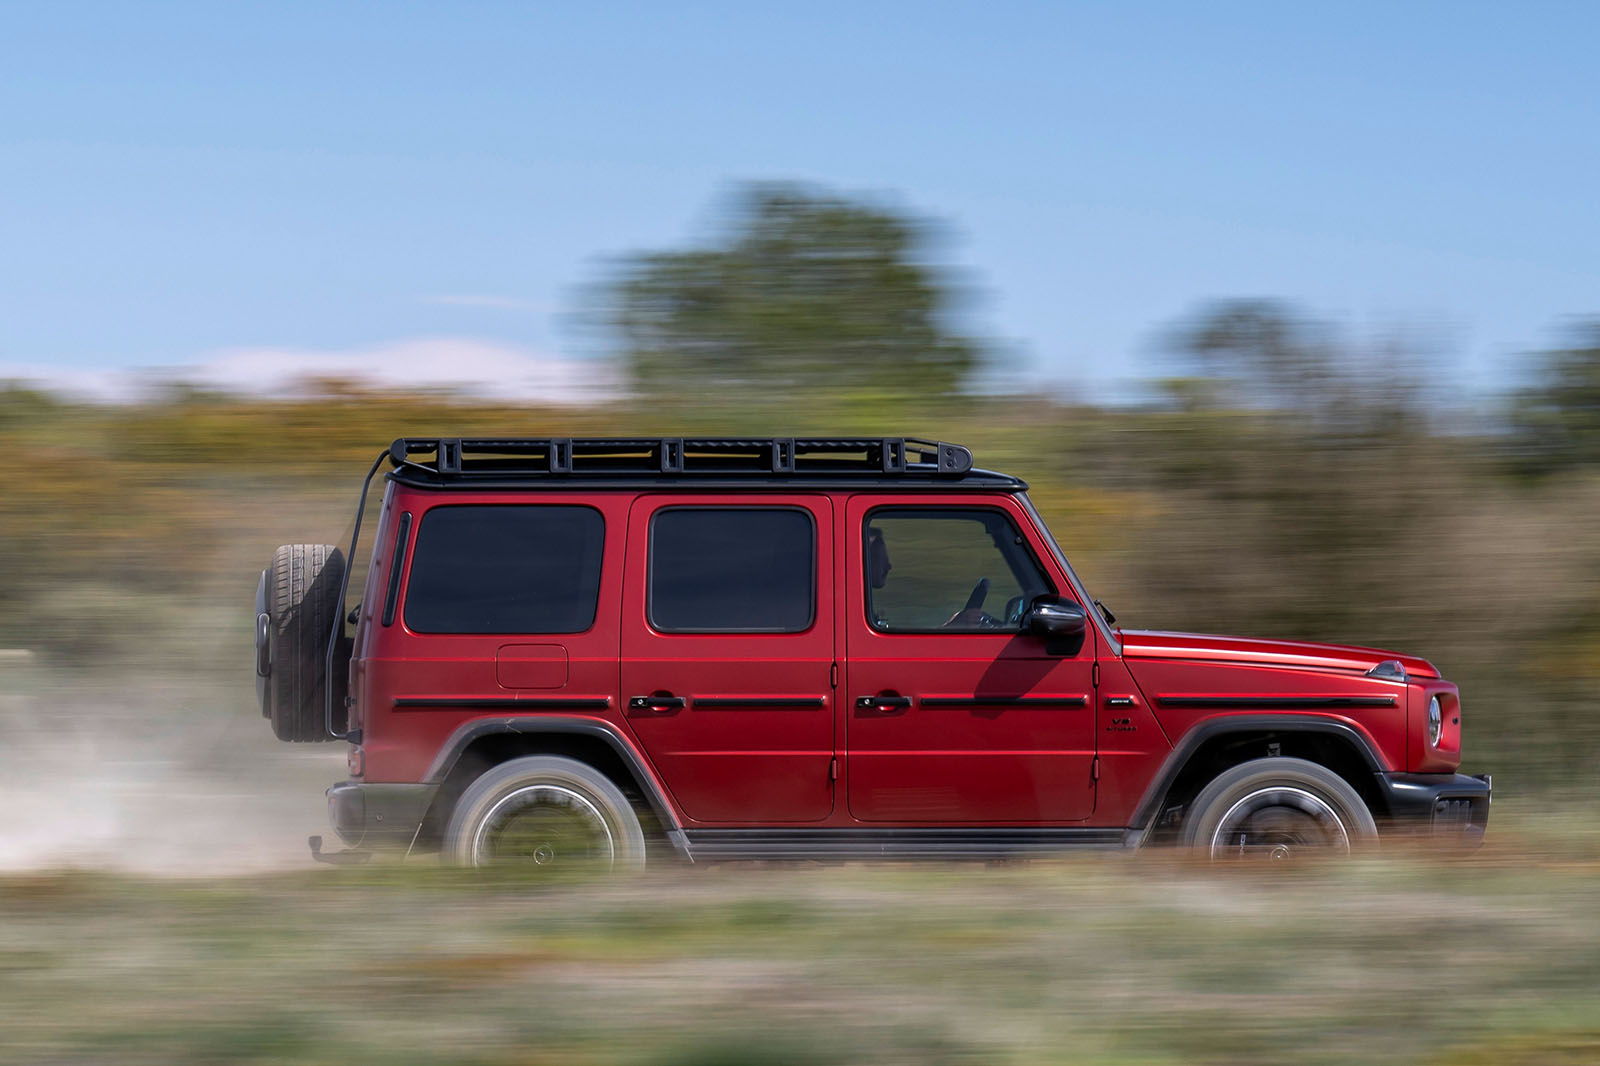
(544, 811)
(1276, 810)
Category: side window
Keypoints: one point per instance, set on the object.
(732, 570)
(947, 571)
(505, 568)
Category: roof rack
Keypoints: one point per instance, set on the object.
(456, 459)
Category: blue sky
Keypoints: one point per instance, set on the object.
(182, 180)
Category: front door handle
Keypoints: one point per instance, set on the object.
(883, 703)
(656, 704)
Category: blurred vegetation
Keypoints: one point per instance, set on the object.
(1284, 482)
(804, 294)
(1558, 421)
(1097, 960)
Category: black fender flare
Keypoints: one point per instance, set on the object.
(1143, 817)
(554, 725)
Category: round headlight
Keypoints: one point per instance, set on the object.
(1435, 721)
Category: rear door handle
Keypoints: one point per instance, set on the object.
(885, 704)
(658, 704)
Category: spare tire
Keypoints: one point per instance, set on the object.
(296, 603)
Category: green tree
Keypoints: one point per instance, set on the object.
(1557, 423)
(805, 295)
(1299, 466)
(1266, 353)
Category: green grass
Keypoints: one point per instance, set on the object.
(1410, 958)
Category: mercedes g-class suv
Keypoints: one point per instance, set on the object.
(597, 650)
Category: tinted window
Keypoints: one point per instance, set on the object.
(506, 569)
(948, 571)
(732, 570)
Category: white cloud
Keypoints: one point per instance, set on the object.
(464, 366)
(81, 383)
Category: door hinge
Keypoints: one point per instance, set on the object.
(1095, 675)
(833, 675)
(1094, 769)
(833, 769)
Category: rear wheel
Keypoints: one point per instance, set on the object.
(1275, 810)
(544, 811)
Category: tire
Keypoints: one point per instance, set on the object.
(1277, 809)
(544, 810)
(301, 593)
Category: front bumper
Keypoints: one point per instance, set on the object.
(1450, 807)
(367, 815)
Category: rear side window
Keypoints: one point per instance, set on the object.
(506, 569)
(732, 570)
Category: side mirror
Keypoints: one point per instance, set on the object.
(1056, 618)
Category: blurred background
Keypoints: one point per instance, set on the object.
(1290, 317)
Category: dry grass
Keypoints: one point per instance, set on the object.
(1106, 960)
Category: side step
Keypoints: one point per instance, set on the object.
(712, 845)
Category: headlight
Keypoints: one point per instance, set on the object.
(1435, 722)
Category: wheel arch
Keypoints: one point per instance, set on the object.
(1216, 745)
(482, 743)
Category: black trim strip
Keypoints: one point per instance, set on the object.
(918, 843)
(536, 703)
(1003, 701)
(759, 702)
(1277, 702)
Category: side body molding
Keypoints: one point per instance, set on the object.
(539, 724)
(1150, 803)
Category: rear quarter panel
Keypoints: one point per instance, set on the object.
(459, 671)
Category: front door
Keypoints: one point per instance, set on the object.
(727, 653)
(954, 714)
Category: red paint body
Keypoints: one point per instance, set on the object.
(832, 763)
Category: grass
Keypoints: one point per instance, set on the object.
(1414, 958)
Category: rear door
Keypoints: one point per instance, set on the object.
(728, 652)
(955, 716)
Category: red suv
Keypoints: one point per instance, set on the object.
(575, 649)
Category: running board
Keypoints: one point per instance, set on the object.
(713, 845)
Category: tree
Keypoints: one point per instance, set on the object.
(1557, 423)
(1295, 468)
(1268, 355)
(806, 295)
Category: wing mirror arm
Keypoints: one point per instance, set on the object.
(1062, 623)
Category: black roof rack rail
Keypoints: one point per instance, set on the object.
(457, 459)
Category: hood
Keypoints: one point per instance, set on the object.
(1154, 644)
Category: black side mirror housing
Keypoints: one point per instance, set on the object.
(1060, 621)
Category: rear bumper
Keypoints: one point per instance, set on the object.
(378, 815)
(1442, 806)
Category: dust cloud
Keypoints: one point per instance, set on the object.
(150, 774)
